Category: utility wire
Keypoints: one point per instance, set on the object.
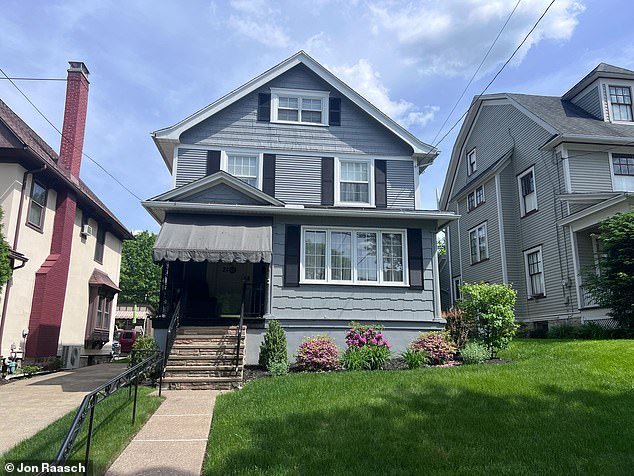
(17, 78)
(65, 138)
(476, 71)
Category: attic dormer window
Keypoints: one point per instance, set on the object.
(621, 102)
(299, 106)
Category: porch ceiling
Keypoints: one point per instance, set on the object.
(214, 238)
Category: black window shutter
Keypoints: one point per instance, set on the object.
(328, 181)
(264, 107)
(380, 183)
(268, 177)
(213, 161)
(291, 255)
(415, 258)
(334, 111)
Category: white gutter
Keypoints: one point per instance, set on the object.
(586, 139)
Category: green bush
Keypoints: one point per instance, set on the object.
(415, 360)
(491, 306)
(29, 369)
(475, 353)
(369, 357)
(273, 347)
(53, 364)
(588, 330)
(142, 349)
(277, 368)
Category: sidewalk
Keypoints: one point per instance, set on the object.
(174, 439)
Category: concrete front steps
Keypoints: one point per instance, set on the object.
(204, 358)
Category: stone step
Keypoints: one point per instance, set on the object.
(220, 330)
(191, 372)
(204, 385)
(201, 368)
(194, 364)
(208, 338)
(205, 352)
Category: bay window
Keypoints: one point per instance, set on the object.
(350, 256)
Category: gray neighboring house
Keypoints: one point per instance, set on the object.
(297, 198)
(532, 177)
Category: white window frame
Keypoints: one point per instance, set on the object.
(300, 94)
(224, 162)
(353, 282)
(470, 170)
(618, 84)
(523, 211)
(455, 282)
(371, 192)
(475, 198)
(529, 290)
(486, 238)
(619, 181)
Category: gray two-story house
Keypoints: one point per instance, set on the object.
(296, 199)
(532, 177)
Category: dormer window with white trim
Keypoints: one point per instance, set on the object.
(621, 102)
(299, 106)
(472, 165)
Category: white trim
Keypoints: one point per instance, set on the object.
(175, 167)
(353, 233)
(459, 238)
(486, 238)
(224, 162)
(565, 161)
(611, 170)
(575, 265)
(458, 278)
(498, 193)
(583, 218)
(417, 203)
(529, 295)
(300, 94)
(523, 211)
(436, 281)
(613, 175)
(618, 84)
(371, 184)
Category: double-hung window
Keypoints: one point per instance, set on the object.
(104, 307)
(528, 194)
(621, 102)
(623, 170)
(355, 182)
(244, 166)
(475, 198)
(37, 205)
(534, 273)
(350, 256)
(472, 164)
(299, 106)
(478, 243)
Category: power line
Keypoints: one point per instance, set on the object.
(18, 78)
(476, 71)
(65, 138)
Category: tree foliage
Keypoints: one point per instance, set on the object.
(273, 347)
(613, 285)
(140, 276)
(5, 264)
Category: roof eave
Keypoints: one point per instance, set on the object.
(585, 139)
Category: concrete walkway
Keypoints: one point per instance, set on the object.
(174, 439)
(31, 404)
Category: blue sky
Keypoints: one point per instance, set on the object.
(152, 63)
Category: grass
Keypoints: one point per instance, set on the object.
(112, 431)
(561, 407)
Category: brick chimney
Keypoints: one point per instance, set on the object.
(74, 118)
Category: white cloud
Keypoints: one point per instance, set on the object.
(248, 22)
(451, 37)
(318, 44)
(362, 78)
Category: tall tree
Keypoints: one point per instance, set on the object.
(140, 276)
(5, 264)
(612, 286)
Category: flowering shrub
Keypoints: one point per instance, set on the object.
(359, 336)
(367, 348)
(438, 345)
(317, 354)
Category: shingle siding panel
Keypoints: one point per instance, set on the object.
(589, 171)
(591, 102)
(298, 180)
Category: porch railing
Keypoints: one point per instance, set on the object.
(170, 336)
(253, 298)
(587, 300)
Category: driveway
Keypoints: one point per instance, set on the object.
(28, 405)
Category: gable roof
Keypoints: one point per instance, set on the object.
(603, 70)
(45, 155)
(213, 180)
(168, 137)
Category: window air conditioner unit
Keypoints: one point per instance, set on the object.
(86, 230)
(71, 356)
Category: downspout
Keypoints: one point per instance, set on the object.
(16, 236)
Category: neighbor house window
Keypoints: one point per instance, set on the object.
(528, 194)
(37, 206)
(99, 245)
(104, 308)
(457, 282)
(478, 243)
(244, 167)
(347, 256)
(621, 101)
(475, 198)
(534, 273)
(623, 170)
(472, 165)
(355, 182)
(299, 106)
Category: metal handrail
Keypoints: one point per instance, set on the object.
(91, 400)
(238, 344)
(170, 337)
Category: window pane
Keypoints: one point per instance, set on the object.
(528, 184)
(38, 194)
(314, 104)
(471, 201)
(315, 255)
(354, 171)
(311, 116)
(244, 167)
(289, 102)
(482, 240)
(479, 195)
(366, 256)
(287, 115)
(392, 245)
(341, 256)
(473, 244)
(355, 192)
(35, 214)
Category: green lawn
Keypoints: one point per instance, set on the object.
(561, 407)
(112, 430)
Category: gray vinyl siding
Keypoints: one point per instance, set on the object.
(345, 303)
(298, 180)
(237, 126)
(589, 171)
(591, 102)
(400, 184)
(604, 102)
(452, 244)
(221, 194)
(191, 165)
(585, 251)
